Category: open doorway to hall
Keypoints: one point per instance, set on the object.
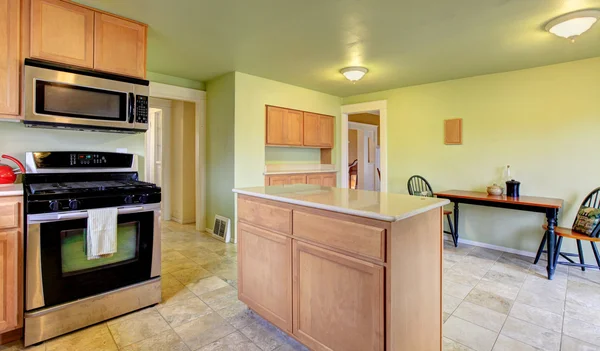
(364, 170)
(171, 157)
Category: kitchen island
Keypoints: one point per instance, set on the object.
(341, 269)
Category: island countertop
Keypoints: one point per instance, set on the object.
(388, 207)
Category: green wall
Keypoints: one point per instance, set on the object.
(291, 155)
(544, 122)
(172, 80)
(220, 118)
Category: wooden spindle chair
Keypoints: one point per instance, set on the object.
(419, 186)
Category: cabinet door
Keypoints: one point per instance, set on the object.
(314, 179)
(318, 130)
(265, 274)
(62, 32)
(279, 180)
(338, 300)
(298, 179)
(119, 46)
(328, 179)
(326, 130)
(284, 127)
(9, 281)
(9, 60)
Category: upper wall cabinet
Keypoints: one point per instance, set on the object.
(119, 46)
(9, 57)
(62, 32)
(318, 130)
(284, 127)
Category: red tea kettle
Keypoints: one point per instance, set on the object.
(7, 174)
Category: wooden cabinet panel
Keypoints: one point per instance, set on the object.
(338, 300)
(9, 213)
(318, 130)
(265, 215)
(119, 46)
(265, 274)
(279, 180)
(284, 127)
(62, 32)
(328, 179)
(314, 179)
(9, 280)
(326, 131)
(298, 179)
(9, 59)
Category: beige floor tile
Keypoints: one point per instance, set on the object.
(531, 334)
(469, 334)
(18, 346)
(177, 265)
(590, 276)
(204, 330)
(483, 317)
(515, 260)
(171, 255)
(206, 285)
(445, 316)
(182, 312)
(173, 291)
(507, 291)
(450, 303)
(489, 300)
(485, 253)
(220, 298)
(264, 335)
(535, 300)
(537, 316)
(96, 337)
(589, 315)
(462, 249)
(167, 340)
(572, 344)
(137, 328)
(290, 346)
(472, 268)
(451, 345)
(505, 343)
(232, 342)
(544, 287)
(463, 278)
(506, 275)
(456, 290)
(238, 315)
(201, 256)
(583, 294)
(186, 276)
(582, 331)
(131, 315)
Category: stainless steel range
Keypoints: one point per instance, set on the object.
(65, 291)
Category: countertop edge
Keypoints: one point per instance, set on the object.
(299, 172)
(358, 213)
(11, 190)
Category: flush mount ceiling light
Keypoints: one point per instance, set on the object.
(354, 73)
(573, 24)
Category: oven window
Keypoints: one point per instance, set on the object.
(74, 250)
(80, 102)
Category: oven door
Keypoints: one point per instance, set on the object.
(57, 268)
(54, 97)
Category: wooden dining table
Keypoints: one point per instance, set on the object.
(546, 205)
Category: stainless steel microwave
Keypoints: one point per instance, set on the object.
(59, 96)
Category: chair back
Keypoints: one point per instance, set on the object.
(592, 200)
(418, 185)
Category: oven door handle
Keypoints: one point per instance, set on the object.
(72, 215)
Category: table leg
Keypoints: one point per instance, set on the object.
(456, 220)
(551, 216)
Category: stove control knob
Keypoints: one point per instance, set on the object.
(54, 205)
(129, 199)
(143, 198)
(74, 204)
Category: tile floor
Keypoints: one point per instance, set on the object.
(492, 301)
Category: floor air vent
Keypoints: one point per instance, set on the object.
(221, 229)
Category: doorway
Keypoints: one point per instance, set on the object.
(158, 137)
(364, 146)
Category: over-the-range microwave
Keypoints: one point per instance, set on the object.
(60, 96)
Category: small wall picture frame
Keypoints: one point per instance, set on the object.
(453, 131)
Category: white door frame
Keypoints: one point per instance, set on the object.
(369, 129)
(166, 107)
(365, 107)
(198, 97)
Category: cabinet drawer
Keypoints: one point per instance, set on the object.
(9, 213)
(265, 215)
(361, 239)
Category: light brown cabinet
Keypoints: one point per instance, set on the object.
(119, 46)
(9, 59)
(62, 32)
(323, 320)
(265, 274)
(11, 258)
(324, 179)
(318, 130)
(284, 127)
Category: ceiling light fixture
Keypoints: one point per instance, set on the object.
(354, 73)
(573, 24)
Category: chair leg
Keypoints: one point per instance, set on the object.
(452, 232)
(557, 251)
(541, 248)
(596, 254)
(580, 250)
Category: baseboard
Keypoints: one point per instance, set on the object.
(11, 336)
(493, 247)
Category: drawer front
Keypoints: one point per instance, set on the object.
(265, 215)
(361, 239)
(9, 213)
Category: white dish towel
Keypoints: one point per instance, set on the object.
(101, 232)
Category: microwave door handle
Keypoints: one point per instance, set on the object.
(131, 107)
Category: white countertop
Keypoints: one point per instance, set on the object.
(301, 172)
(11, 189)
(370, 204)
